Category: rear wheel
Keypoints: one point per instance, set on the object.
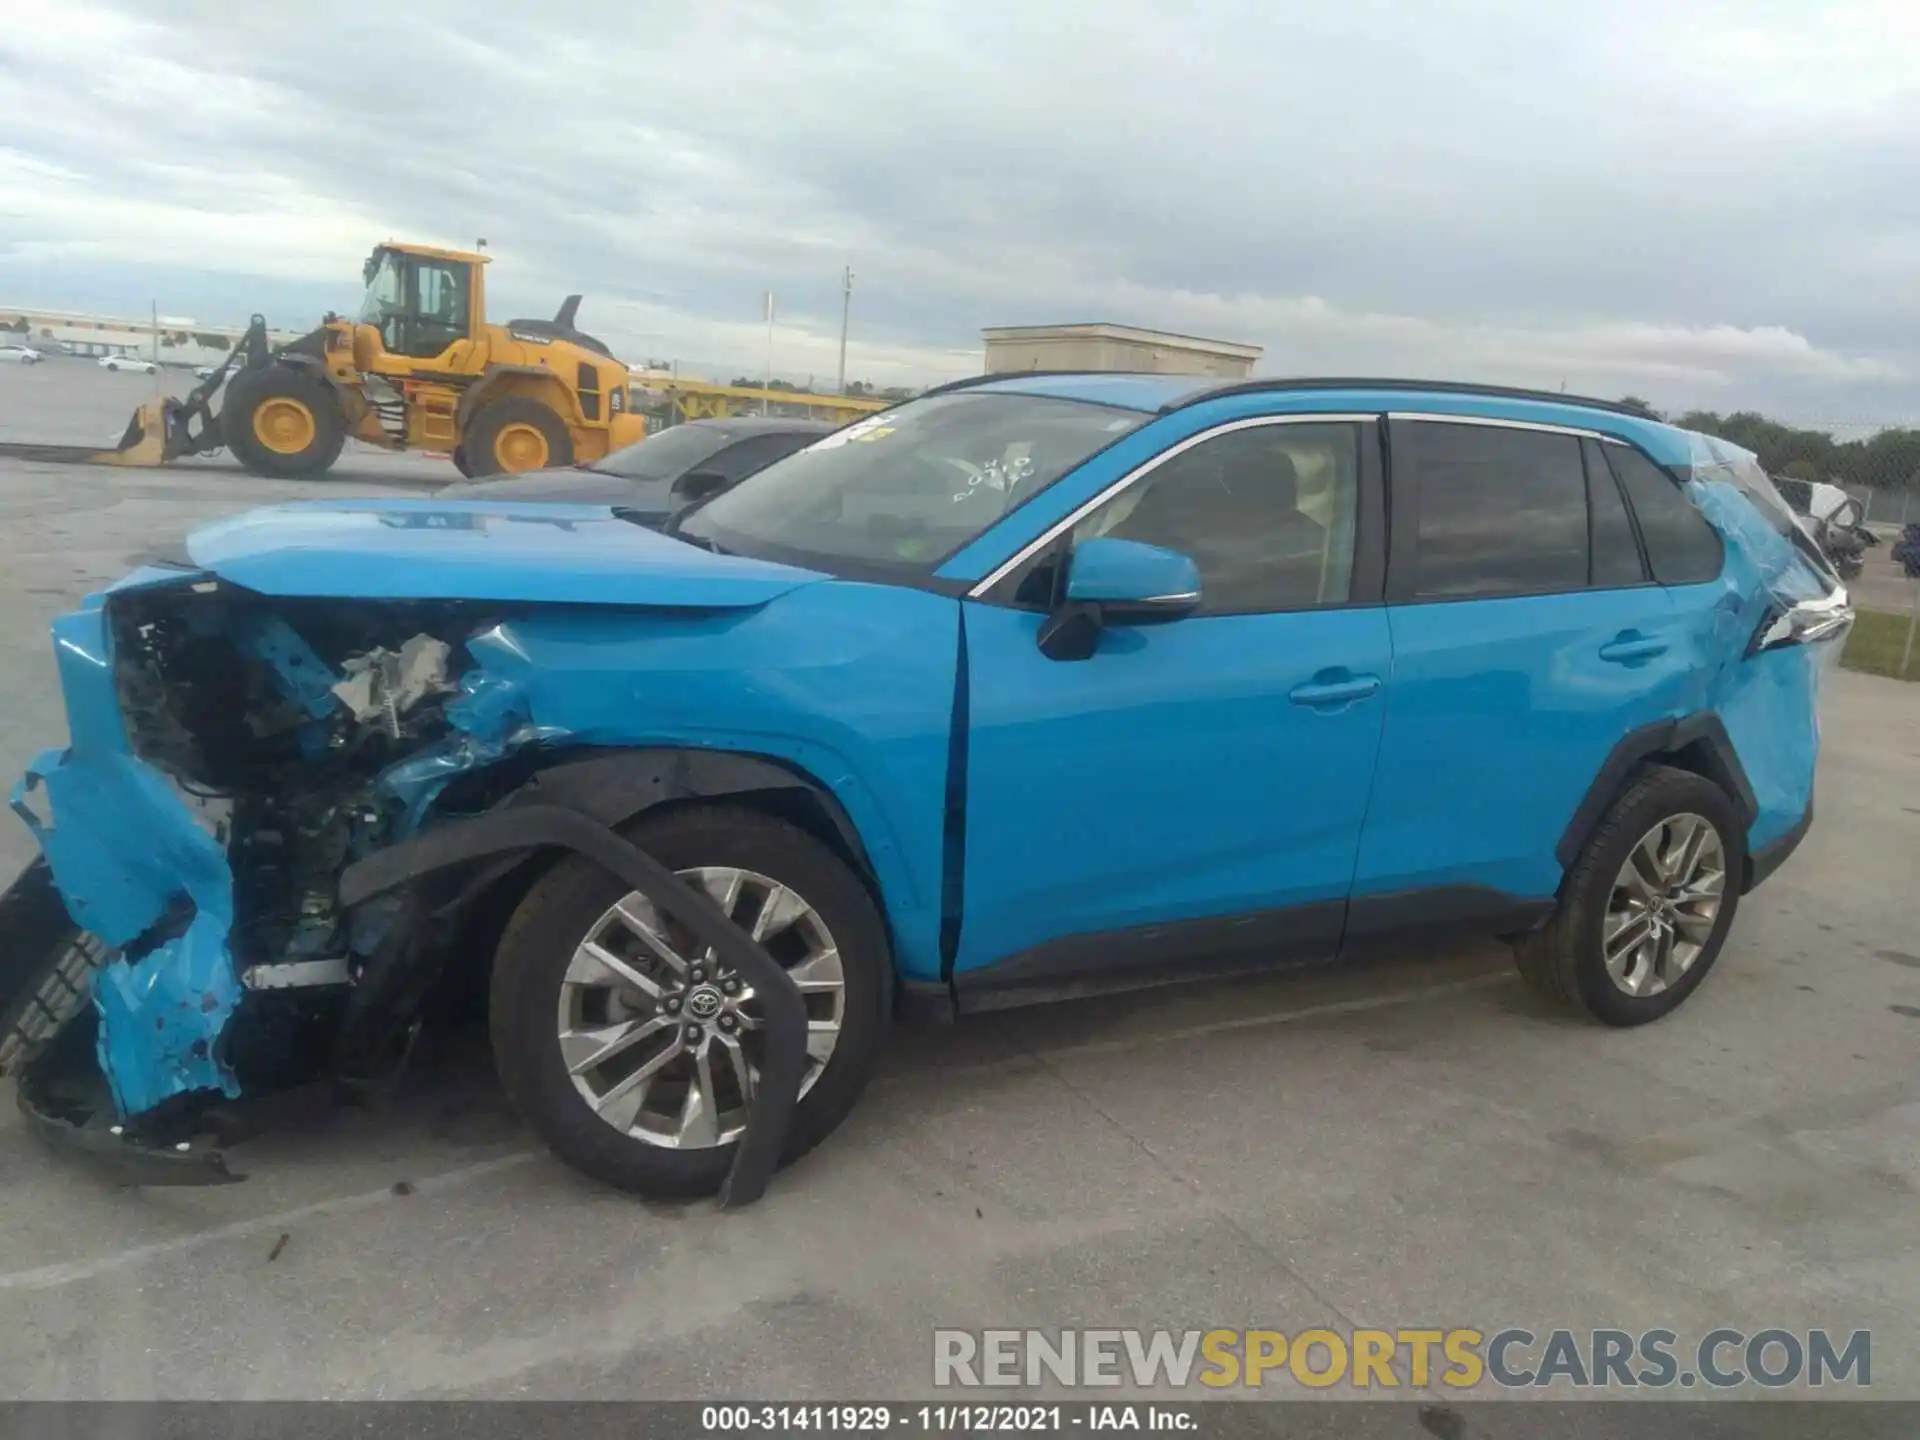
(1644, 911)
(511, 436)
(459, 458)
(282, 422)
(631, 1052)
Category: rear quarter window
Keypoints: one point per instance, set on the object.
(1682, 548)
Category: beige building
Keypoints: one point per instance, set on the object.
(1012, 349)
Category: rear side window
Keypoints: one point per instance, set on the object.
(1682, 547)
(1502, 511)
(1616, 553)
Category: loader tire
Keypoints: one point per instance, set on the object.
(282, 422)
(514, 435)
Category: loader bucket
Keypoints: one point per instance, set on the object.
(143, 445)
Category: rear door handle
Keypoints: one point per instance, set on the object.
(1629, 648)
(1318, 694)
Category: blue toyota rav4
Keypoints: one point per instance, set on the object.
(1027, 687)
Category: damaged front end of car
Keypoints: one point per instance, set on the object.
(256, 849)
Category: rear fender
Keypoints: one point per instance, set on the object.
(530, 382)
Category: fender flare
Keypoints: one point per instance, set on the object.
(614, 786)
(532, 826)
(1703, 739)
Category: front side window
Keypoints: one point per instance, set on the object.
(903, 489)
(1502, 511)
(756, 452)
(439, 315)
(1266, 513)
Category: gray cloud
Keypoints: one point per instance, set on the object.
(1711, 203)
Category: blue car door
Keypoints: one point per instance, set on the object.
(1528, 640)
(1192, 793)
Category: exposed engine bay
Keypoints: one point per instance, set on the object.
(285, 741)
(301, 735)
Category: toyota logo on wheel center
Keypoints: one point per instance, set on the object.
(704, 1002)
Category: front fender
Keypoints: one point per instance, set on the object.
(615, 787)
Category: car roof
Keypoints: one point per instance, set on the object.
(1162, 394)
(1171, 392)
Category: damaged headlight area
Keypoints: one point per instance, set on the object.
(230, 756)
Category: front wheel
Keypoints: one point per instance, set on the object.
(632, 1053)
(1645, 910)
(281, 421)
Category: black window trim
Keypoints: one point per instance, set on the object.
(1365, 578)
(1633, 521)
(1680, 484)
(1403, 524)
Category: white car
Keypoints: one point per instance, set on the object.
(128, 362)
(19, 354)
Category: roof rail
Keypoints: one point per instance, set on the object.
(1453, 387)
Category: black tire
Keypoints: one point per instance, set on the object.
(538, 945)
(250, 389)
(1564, 960)
(482, 438)
(459, 458)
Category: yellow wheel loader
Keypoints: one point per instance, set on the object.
(418, 368)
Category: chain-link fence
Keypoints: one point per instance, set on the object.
(1879, 464)
(1887, 507)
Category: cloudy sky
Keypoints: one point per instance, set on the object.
(1705, 203)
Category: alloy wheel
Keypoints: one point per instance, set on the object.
(1664, 904)
(663, 1042)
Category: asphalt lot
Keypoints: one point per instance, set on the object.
(1413, 1142)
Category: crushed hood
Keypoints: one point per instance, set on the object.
(469, 550)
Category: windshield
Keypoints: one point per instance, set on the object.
(382, 297)
(911, 485)
(666, 455)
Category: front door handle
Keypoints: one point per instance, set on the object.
(1630, 647)
(1325, 691)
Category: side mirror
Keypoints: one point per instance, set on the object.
(1132, 582)
(698, 486)
(1117, 582)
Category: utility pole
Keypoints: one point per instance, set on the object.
(155, 304)
(767, 382)
(846, 305)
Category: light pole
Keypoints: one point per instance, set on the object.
(846, 306)
(766, 384)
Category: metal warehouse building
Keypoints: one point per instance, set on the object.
(1012, 349)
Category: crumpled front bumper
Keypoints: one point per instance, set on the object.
(138, 869)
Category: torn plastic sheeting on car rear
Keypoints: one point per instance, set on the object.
(1729, 487)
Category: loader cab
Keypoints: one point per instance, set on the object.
(422, 301)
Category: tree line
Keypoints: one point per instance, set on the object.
(1889, 460)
